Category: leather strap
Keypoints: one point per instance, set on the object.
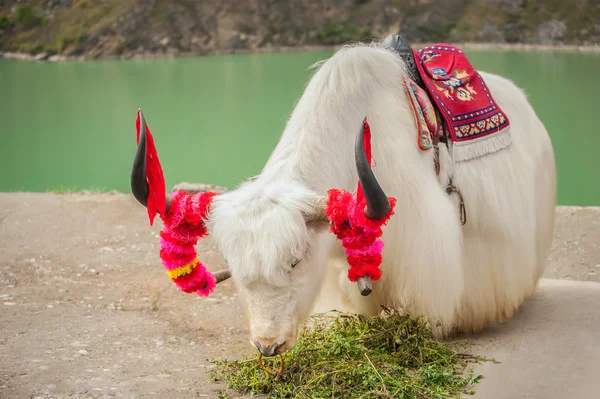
(402, 47)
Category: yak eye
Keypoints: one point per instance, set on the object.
(295, 263)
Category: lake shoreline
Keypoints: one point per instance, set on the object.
(474, 46)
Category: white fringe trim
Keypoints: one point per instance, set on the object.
(479, 147)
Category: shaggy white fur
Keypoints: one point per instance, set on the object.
(460, 277)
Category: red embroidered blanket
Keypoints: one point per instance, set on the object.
(476, 123)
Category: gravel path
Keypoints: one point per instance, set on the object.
(87, 312)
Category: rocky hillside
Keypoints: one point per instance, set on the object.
(129, 28)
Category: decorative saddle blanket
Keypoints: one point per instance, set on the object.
(428, 126)
(476, 124)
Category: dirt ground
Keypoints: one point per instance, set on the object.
(86, 310)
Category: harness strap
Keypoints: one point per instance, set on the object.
(403, 49)
(451, 188)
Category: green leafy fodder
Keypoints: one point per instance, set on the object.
(352, 356)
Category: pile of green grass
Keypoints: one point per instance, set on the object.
(352, 356)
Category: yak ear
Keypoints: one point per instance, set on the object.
(317, 215)
(222, 275)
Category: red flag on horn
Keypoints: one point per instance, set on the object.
(367, 145)
(157, 200)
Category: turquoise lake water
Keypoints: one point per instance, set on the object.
(70, 126)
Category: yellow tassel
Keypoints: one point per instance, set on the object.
(182, 270)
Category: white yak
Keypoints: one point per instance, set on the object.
(286, 264)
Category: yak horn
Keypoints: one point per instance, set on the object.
(378, 204)
(139, 184)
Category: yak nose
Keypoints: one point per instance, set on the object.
(267, 347)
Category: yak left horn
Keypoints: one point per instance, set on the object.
(139, 184)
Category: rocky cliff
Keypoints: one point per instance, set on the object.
(130, 28)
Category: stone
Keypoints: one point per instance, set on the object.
(551, 31)
(42, 56)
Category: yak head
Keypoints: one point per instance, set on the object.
(266, 230)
